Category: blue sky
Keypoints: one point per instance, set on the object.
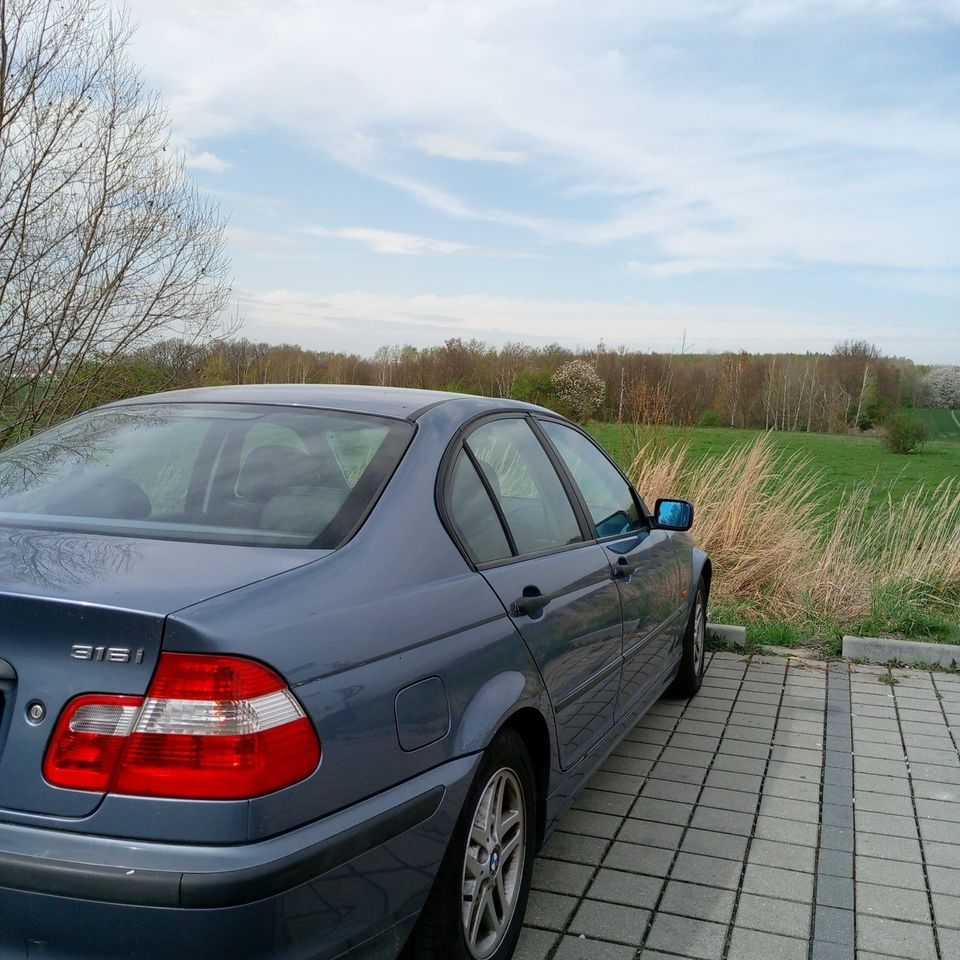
(761, 174)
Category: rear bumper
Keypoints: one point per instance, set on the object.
(330, 888)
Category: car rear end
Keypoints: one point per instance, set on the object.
(152, 790)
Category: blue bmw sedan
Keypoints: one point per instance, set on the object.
(304, 672)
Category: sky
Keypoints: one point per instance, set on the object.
(705, 175)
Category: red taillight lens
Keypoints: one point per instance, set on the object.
(212, 728)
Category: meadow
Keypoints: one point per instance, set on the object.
(813, 535)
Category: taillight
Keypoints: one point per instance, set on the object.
(212, 728)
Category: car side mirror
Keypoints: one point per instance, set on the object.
(674, 514)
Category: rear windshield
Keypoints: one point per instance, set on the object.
(254, 475)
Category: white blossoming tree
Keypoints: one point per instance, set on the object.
(580, 387)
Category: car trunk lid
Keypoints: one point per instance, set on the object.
(84, 613)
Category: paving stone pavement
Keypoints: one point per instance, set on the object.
(790, 811)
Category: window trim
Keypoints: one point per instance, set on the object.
(642, 510)
(445, 482)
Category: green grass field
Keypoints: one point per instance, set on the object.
(943, 424)
(840, 460)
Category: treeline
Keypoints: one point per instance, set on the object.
(853, 386)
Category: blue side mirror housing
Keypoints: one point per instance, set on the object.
(674, 514)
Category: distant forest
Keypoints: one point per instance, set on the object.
(854, 386)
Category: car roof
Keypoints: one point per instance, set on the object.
(385, 401)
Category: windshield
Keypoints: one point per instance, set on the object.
(223, 473)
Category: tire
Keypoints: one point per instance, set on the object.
(451, 927)
(692, 662)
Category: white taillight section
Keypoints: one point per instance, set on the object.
(218, 718)
(209, 728)
(104, 719)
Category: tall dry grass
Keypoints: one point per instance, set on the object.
(777, 550)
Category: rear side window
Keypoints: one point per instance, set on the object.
(223, 473)
(474, 516)
(609, 499)
(525, 484)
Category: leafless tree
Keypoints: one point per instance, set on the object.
(105, 244)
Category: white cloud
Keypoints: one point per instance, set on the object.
(357, 320)
(389, 241)
(703, 165)
(206, 161)
(457, 148)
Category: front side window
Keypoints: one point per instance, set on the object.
(525, 485)
(227, 473)
(609, 499)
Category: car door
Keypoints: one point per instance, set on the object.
(525, 531)
(642, 557)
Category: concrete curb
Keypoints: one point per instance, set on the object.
(735, 636)
(883, 650)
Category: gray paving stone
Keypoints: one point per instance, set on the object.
(835, 892)
(801, 810)
(693, 938)
(883, 803)
(651, 833)
(534, 944)
(940, 831)
(679, 772)
(776, 882)
(549, 910)
(744, 748)
(891, 873)
(688, 758)
(945, 880)
(661, 811)
(949, 943)
(610, 921)
(639, 858)
(934, 773)
(887, 824)
(632, 889)
(737, 800)
(725, 845)
(835, 863)
(690, 741)
(577, 849)
(628, 766)
(774, 916)
(838, 815)
(601, 801)
(752, 945)
(947, 810)
(670, 790)
(737, 773)
(792, 789)
(941, 854)
(836, 838)
(894, 902)
(617, 782)
(702, 903)
(786, 831)
(888, 848)
(833, 925)
(580, 948)
(787, 856)
(793, 771)
(930, 790)
(882, 783)
(590, 824)
(556, 876)
(894, 938)
(722, 821)
(710, 871)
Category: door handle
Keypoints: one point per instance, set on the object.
(623, 569)
(531, 604)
